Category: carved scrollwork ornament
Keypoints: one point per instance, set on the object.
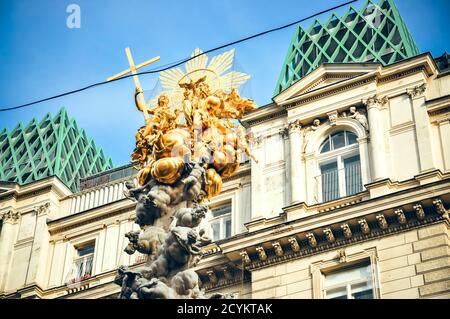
(332, 117)
(420, 212)
(311, 239)
(294, 244)
(400, 216)
(382, 221)
(245, 258)
(440, 208)
(364, 226)
(294, 127)
(278, 249)
(212, 276)
(227, 273)
(329, 235)
(342, 256)
(347, 231)
(261, 253)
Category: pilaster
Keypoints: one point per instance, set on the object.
(423, 128)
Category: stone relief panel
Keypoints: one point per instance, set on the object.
(400, 110)
(274, 189)
(273, 149)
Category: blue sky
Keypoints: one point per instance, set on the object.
(40, 56)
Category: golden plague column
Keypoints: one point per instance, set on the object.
(191, 140)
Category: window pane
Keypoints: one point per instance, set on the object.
(353, 182)
(367, 294)
(86, 250)
(338, 140)
(357, 279)
(325, 146)
(228, 228)
(330, 182)
(221, 211)
(338, 293)
(348, 275)
(351, 138)
(215, 228)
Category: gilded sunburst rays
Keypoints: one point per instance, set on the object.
(216, 74)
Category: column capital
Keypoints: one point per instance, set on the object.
(417, 91)
(10, 216)
(375, 101)
(258, 140)
(42, 209)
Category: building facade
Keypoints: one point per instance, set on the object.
(349, 198)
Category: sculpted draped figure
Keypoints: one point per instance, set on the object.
(190, 142)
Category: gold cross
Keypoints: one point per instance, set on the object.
(132, 70)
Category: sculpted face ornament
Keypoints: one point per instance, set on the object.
(188, 145)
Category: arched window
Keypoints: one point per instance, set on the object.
(340, 166)
(338, 140)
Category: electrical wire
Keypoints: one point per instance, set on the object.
(180, 62)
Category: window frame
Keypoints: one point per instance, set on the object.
(221, 219)
(77, 257)
(337, 156)
(320, 268)
(348, 284)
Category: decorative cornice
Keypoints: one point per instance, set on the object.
(267, 117)
(342, 242)
(229, 278)
(396, 76)
(58, 230)
(325, 238)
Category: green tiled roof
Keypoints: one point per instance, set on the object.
(375, 33)
(53, 146)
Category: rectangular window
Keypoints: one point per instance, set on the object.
(221, 222)
(84, 261)
(330, 181)
(349, 283)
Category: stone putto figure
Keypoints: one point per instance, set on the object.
(361, 118)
